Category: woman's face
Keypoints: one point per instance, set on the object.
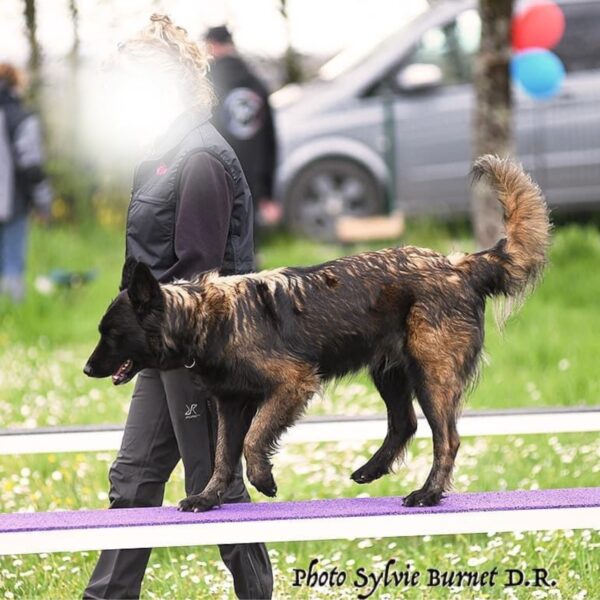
(145, 103)
(131, 106)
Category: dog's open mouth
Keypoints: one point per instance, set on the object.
(123, 373)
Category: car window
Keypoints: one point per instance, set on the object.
(579, 48)
(451, 47)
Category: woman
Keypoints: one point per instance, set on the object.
(23, 183)
(190, 210)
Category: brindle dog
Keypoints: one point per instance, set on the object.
(264, 343)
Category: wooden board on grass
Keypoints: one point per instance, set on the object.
(364, 229)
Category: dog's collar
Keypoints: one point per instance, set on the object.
(192, 365)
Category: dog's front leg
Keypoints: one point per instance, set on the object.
(275, 415)
(234, 417)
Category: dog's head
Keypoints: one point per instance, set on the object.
(130, 330)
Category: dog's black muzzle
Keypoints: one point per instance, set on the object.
(88, 370)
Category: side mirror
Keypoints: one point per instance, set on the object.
(418, 77)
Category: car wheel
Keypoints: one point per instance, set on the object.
(329, 189)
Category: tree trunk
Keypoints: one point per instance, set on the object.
(492, 123)
(72, 98)
(293, 66)
(35, 54)
(74, 53)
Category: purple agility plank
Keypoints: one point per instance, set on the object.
(275, 511)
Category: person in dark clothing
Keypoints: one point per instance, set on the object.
(190, 211)
(244, 118)
(23, 182)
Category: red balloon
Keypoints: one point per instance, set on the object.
(540, 25)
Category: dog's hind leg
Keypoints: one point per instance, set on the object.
(395, 389)
(439, 401)
(443, 356)
(234, 418)
(278, 412)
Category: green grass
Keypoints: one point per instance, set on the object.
(547, 356)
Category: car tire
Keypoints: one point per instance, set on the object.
(328, 189)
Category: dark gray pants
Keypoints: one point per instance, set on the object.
(171, 417)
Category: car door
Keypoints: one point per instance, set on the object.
(433, 126)
(570, 144)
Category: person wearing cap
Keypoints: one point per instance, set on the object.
(23, 182)
(244, 118)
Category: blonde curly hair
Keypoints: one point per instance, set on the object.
(164, 46)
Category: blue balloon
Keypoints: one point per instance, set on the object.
(539, 71)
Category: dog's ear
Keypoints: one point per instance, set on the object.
(128, 268)
(143, 289)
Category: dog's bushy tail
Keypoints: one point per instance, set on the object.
(512, 268)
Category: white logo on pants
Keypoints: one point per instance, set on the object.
(190, 411)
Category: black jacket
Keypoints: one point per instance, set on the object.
(244, 118)
(154, 234)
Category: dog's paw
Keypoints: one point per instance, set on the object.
(423, 497)
(265, 484)
(260, 475)
(197, 503)
(368, 473)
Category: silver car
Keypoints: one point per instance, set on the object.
(391, 129)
